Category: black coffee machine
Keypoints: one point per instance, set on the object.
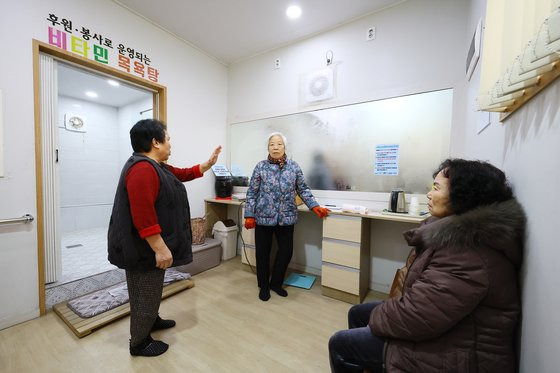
(223, 186)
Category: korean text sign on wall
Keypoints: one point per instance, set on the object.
(94, 46)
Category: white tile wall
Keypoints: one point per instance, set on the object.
(88, 165)
(90, 162)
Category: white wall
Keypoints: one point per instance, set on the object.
(525, 146)
(127, 116)
(531, 159)
(196, 116)
(88, 168)
(420, 46)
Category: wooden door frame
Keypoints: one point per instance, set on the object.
(160, 112)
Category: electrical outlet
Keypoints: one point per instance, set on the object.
(370, 34)
(277, 63)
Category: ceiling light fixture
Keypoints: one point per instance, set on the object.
(293, 11)
(91, 94)
(114, 83)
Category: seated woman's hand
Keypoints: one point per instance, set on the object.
(321, 212)
(250, 223)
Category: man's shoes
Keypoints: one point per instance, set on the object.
(160, 324)
(264, 294)
(149, 347)
(280, 291)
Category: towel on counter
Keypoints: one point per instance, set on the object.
(354, 209)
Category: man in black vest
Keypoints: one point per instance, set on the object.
(150, 228)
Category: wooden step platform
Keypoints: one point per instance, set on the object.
(82, 327)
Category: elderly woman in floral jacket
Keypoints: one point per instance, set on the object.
(460, 303)
(271, 209)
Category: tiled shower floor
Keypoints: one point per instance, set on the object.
(85, 267)
(84, 253)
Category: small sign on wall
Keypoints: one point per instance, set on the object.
(386, 159)
(220, 170)
(474, 50)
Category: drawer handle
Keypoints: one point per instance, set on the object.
(342, 242)
(341, 267)
(344, 217)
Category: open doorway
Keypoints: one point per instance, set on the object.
(71, 117)
(95, 114)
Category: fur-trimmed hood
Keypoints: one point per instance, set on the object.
(499, 226)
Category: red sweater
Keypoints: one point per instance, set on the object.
(142, 184)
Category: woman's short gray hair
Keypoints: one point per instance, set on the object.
(277, 134)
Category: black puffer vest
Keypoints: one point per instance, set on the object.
(126, 249)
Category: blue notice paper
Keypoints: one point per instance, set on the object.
(300, 281)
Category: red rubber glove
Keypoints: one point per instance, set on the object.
(250, 223)
(321, 211)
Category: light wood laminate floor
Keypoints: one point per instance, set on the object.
(222, 326)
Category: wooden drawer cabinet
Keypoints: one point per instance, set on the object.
(347, 228)
(345, 257)
(341, 252)
(341, 278)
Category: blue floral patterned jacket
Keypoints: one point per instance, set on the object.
(271, 193)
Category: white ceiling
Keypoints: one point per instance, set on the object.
(233, 30)
(227, 30)
(74, 82)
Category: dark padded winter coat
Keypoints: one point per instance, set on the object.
(126, 248)
(460, 304)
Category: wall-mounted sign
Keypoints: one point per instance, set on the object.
(386, 159)
(220, 170)
(94, 46)
(474, 50)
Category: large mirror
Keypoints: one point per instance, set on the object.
(374, 146)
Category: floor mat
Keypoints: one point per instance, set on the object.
(83, 326)
(103, 300)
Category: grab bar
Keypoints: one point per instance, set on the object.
(27, 218)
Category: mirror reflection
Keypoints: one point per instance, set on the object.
(374, 146)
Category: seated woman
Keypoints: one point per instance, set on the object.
(460, 302)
